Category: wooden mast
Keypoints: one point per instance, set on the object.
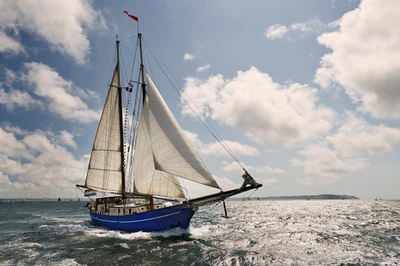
(144, 95)
(120, 125)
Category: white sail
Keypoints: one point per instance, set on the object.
(105, 165)
(163, 152)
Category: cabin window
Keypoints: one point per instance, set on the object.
(118, 211)
(141, 209)
(130, 211)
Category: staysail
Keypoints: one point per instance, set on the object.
(105, 165)
(163, 152)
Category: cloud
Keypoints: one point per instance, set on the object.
(306, 181)
(16, 98)
(236, 168)
(268, 181)
(217, 149)
(34, 165)
(60, 95)
(9, 45)
(63, 25)
(358, 138)
(188, 57)
(365, 58)
(13, 129)
(275, 31)
(313, 25)
(11, 147)
(67, 139)
(265, 111)
(346, 150)
(11, 189)
(203, 68)
(324, 162)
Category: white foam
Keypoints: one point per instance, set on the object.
(118, 234)
(124, 245)
(192, 231)
(202, 231)
(69, 262)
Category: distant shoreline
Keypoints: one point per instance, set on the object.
(304, 197)
(299, 197)
(41, 199)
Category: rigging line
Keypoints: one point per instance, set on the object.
(184, 185)
(208, 210)
(125, 75)
(130, 54)
(111, 73)
(215, 133)
(220, 140)
(147, 58)
(127, 38)
(134, 58)
(234, 210)
(136, 114)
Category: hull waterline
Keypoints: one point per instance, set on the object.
(150, 221)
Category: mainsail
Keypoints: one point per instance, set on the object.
(163, 152)
(105, 165)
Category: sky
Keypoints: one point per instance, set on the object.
(305, 93)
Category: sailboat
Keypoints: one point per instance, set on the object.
(155, 201)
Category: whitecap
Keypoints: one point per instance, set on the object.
(124, 245)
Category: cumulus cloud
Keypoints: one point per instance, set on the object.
(63, 25)
(60, 96)
(34, 164)
(347, 149)
(15, 98)
(9, 45)
(234, 167)
(365, 58)
(188, 57)
(67, 139)
(264, 110)
(324, 162)
(203, 68)
(216, 148)
(47, 90)
(13, 129)
(358, 138)
(275, 31)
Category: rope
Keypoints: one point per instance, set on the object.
(234, 210)
(209, 127)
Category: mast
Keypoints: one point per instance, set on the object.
(151, 203)
(121, 126)
(142, 66)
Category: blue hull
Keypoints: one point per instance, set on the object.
(151, 221)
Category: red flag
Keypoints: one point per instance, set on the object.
(131, 16)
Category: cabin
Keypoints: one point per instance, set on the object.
(115, 206)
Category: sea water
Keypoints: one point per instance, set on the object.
(328, 232)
